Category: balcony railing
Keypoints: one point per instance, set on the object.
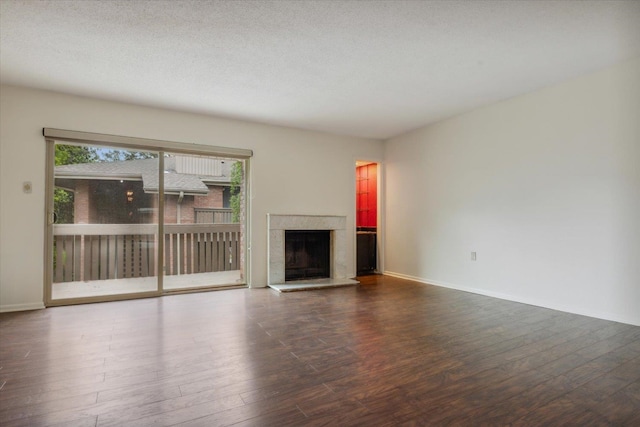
(84, 252)
(214, 215)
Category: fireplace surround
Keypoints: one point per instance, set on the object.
(277, 225)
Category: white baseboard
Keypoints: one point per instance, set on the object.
(21, 307)
(514, 298)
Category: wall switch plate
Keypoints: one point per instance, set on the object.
(473, 256)
(27, 187)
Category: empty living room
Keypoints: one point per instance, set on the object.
(314, 212)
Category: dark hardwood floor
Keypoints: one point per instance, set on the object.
(387, 352)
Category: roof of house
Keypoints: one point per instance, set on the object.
(146, 170)
(174, 183)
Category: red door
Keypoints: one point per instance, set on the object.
(367, 196)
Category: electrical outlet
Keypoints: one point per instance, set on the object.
(473, 256)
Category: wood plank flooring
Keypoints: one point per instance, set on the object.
(385, 353)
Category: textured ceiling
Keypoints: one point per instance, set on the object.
(366, 68)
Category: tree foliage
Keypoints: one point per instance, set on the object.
(236, 191)
(123, 155)
(73, 154)
(63, 205)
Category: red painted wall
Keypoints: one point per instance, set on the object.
(367, 195)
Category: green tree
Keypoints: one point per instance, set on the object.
(235, 190)
(123, 155)
(73, 154)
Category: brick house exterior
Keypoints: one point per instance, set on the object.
(126, 192)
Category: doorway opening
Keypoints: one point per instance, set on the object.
(366, 217)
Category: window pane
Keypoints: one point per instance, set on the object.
(105, 231)
(203, 238)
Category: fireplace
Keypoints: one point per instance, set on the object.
(334, 272)
(306, 254)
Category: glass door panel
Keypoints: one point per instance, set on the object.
(203, 222)
(105, 222)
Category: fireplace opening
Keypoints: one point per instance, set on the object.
(307, 254)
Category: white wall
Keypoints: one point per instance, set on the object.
(544, 187)
(293, 172)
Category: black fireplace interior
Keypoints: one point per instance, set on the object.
(307, 254)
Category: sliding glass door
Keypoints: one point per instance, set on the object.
(132, 223)
(105, 228)
(202, 222)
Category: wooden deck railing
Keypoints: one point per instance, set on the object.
(85, 252)
(214, 215)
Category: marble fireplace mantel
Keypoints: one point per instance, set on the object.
(276, 226)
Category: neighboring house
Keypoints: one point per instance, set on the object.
(197, 190)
